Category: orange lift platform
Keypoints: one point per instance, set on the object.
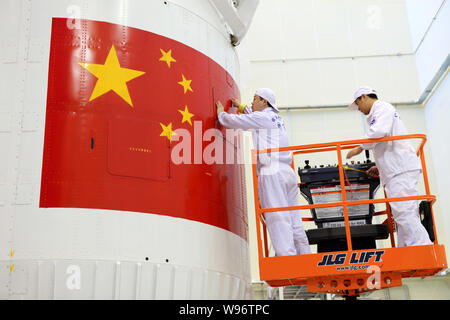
(348, 272)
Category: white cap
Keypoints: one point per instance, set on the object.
(268, 95)
(359, 93)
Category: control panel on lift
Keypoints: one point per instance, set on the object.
(321, 184)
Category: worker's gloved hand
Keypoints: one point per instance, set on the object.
(220, 107)
(241, 107)
(373, 172)
(355, 151)
(235, 102)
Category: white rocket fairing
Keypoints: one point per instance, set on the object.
(84, 213)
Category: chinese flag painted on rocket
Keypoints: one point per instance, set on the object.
(115, 97)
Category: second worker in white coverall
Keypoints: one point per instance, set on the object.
(396, 163)
(276, 179)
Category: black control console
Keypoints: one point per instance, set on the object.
(322, 185)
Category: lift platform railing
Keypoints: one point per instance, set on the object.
(283, 277)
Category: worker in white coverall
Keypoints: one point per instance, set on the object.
(396, 162)
(276, 179)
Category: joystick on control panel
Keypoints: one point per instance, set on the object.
(367, 156)
(307, 166)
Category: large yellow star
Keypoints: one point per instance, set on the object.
(186, 115)
(111, 76)
(186, 84)
(167, 57)
(167, 131)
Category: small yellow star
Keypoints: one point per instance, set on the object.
(167, 57)
(186, 115)
(186, 84)
(167, 131)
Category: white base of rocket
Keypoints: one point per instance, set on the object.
(106, 254)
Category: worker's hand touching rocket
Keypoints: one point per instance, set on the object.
(236, 103)
(220, 107)
(236, 107)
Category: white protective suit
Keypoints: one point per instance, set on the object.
(276, 179)
(399, 170)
